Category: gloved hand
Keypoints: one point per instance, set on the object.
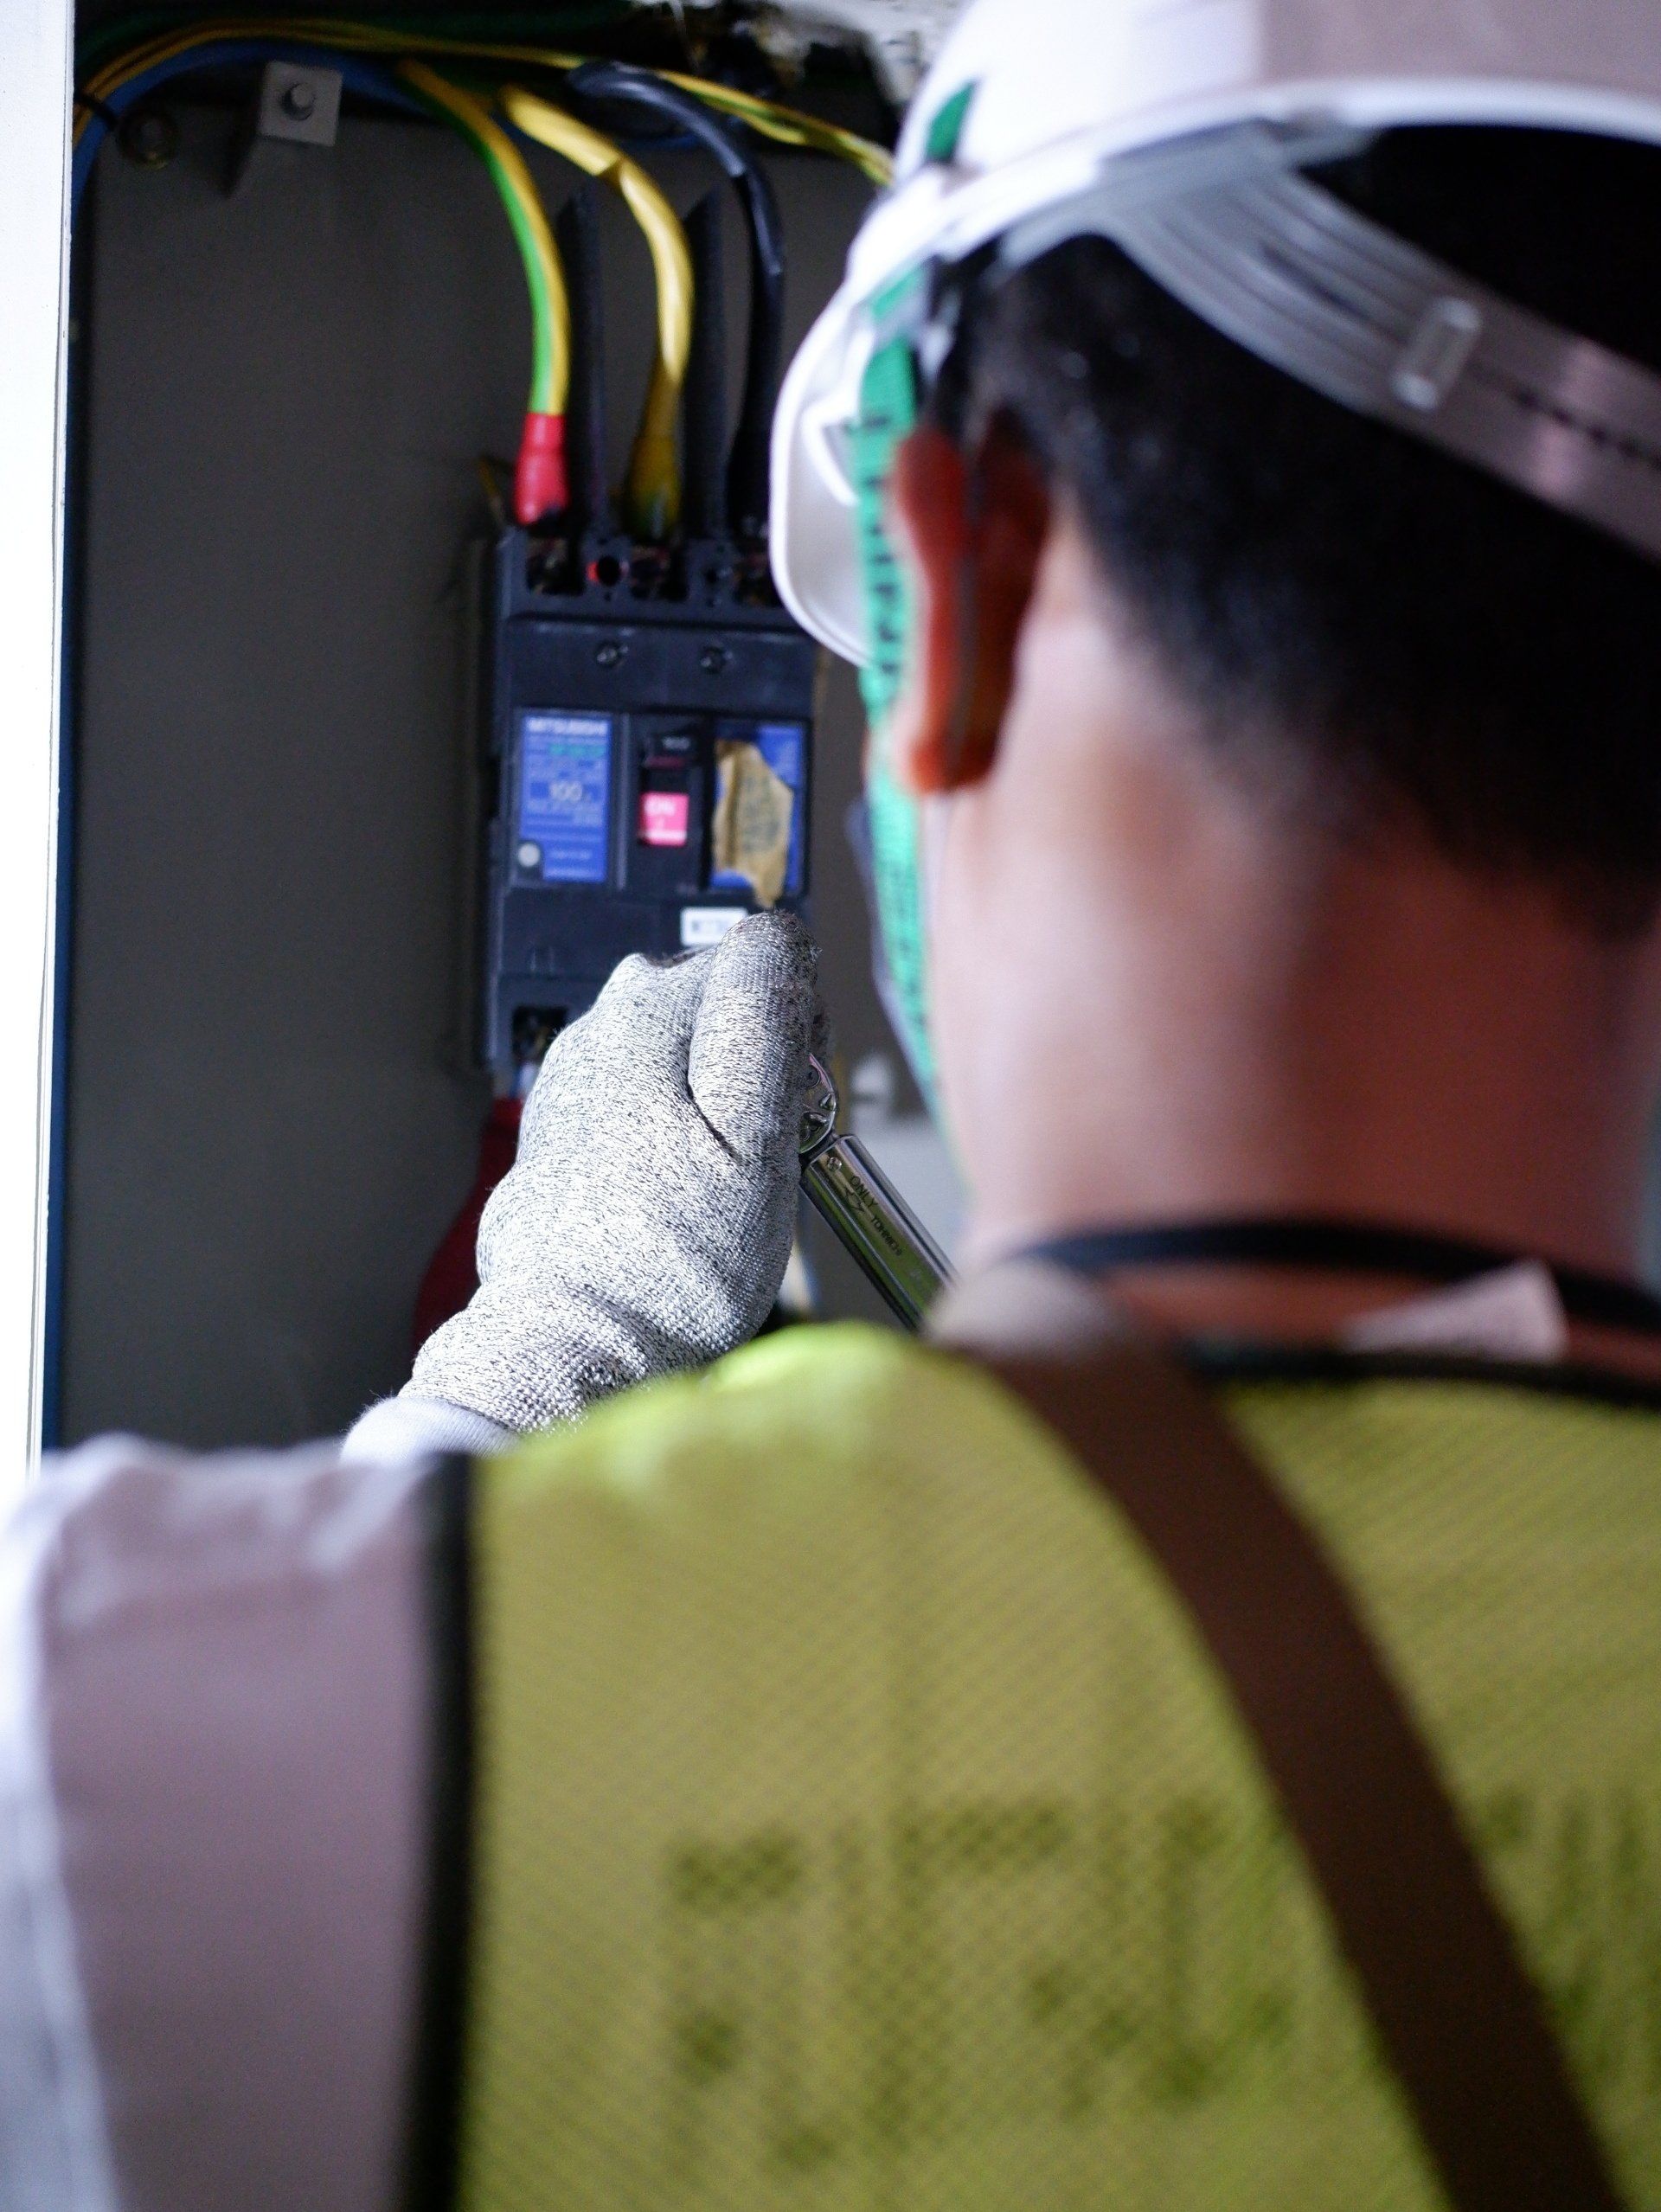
(647, 1222)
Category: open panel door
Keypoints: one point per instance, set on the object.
(34, 93)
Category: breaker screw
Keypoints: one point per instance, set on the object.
(609, 654)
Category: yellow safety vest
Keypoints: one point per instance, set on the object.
(860, 1824)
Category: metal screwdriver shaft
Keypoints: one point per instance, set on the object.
(876, 1227)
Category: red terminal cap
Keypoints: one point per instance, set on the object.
(539, 481)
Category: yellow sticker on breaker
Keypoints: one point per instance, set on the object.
(753, 813)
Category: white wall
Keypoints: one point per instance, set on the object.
(35, 77)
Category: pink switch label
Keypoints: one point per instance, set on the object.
(664, 815)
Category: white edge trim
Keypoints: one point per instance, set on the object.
(36, 74)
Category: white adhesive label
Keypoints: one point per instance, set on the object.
(701, 926)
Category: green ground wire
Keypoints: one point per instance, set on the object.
(542, 307)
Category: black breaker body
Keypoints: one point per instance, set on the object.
(618, 704)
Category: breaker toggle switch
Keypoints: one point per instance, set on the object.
(665, 817)
(670, 759)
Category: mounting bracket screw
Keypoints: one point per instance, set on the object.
(149, 137)
(609, 654)
(713, 659)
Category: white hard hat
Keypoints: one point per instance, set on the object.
(1032, 104)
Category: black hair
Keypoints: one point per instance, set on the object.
(1373, 629)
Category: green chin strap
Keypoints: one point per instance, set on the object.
(888, 413)
(888, 410)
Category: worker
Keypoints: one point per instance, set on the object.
(1187, 1734)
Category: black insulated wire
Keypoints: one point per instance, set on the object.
(748, 464)
(106, 114)
(704, 401)
(576, 232)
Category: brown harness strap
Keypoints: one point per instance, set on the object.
(1455, 2009)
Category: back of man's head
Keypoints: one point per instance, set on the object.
(1376, 633)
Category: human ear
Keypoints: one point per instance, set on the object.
(975, 526)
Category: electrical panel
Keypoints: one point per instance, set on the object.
(641, 746)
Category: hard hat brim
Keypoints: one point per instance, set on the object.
(942, 213)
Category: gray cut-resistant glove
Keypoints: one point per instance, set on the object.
(647, 1222)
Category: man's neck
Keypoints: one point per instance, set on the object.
(1385, 1043)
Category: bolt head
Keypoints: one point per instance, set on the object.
(149, 137)
(299, 100)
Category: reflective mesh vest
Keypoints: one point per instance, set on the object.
(859, 1823)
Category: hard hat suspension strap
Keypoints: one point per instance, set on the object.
(1287, 270)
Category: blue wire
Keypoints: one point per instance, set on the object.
(368, 78)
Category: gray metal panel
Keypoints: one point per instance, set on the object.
(271, 1120)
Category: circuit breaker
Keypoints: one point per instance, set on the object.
(653, 766)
